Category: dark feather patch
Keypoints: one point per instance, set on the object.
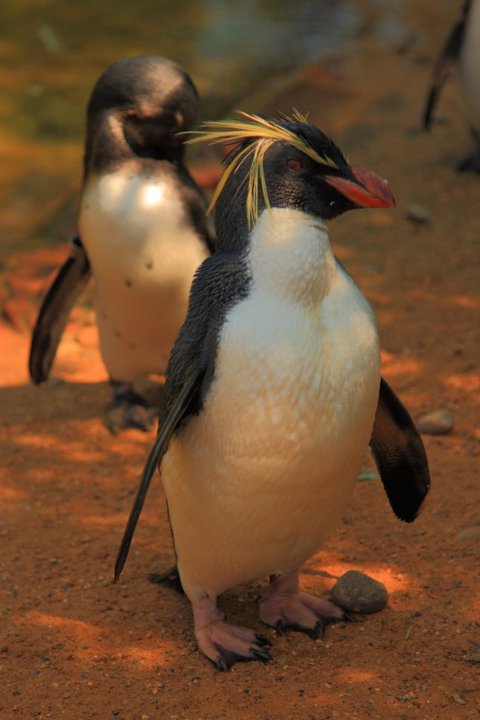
(400, 456)
(55, 310)
(220, 282)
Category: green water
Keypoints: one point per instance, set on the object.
(52, 51)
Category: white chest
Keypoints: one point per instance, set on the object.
(258, 478)
(143, 251)
(137, 227)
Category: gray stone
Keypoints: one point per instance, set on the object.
(418, 214)
(472, 533)
(357, 592)
(438, 422)
(473, 655)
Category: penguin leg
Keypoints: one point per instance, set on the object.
(472, 162)
(283, 606)
(222, 643)
(128, 409)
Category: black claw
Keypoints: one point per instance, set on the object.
(318, 631)
(280, 627)
(262, 640)
(227, 658)
(260, 654)
(221, 664)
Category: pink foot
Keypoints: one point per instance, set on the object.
(284, 607)
(222, 643)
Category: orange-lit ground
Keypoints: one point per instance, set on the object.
(72, 645)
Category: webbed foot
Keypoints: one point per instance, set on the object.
(284, 607)
(222, 643)
(129, 410)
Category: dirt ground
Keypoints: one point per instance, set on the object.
(73, 645)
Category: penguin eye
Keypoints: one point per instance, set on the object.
(294, 164)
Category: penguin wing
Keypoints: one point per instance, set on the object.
(447, 58)
(158, 450)
(400, 456)
(54, 311)
(218, 284)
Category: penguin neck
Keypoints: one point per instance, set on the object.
(290, 256)
(107, 146)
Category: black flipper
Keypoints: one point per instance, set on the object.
(220, 282)
(54, 311)
(177, 412)
(400, 456)
(442, 67)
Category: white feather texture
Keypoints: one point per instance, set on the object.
(470, 66)
(256, 481)
(144, 252)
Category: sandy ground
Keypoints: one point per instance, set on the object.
(73, 645)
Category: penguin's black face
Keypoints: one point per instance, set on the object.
(144, 101)
(323, 190)
(285, 163)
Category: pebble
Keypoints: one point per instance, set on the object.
(473, 655)
(437, 422)
(357, 592)
(418, 214)
(469, 534)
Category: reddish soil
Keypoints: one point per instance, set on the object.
(73, 645)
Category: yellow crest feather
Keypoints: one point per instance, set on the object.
(262, 133)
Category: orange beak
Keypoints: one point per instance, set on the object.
(367, 190)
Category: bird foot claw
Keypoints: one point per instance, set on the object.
(226, 644)
(129, 410)
(284, 607)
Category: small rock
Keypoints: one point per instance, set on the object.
(357, 592)
(472, 533)
(473, 655)
(418, 214)
(438, 422)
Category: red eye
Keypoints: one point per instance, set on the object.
(294, 164)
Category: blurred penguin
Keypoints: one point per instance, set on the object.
(462, 47)
(142, 230)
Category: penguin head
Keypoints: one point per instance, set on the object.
(324, 186)
(138, 106)
(287, 163)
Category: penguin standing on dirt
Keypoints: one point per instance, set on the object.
(143, 230)
(462, 46)
(273, 389)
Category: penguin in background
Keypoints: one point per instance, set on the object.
(273, 389)
(462, 47)
(142, 230)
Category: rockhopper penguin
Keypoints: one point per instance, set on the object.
(142, 230)
(273, 389)
(462, 46)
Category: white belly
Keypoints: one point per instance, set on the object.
(470, 66)
(143, 253)
(256, 481)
